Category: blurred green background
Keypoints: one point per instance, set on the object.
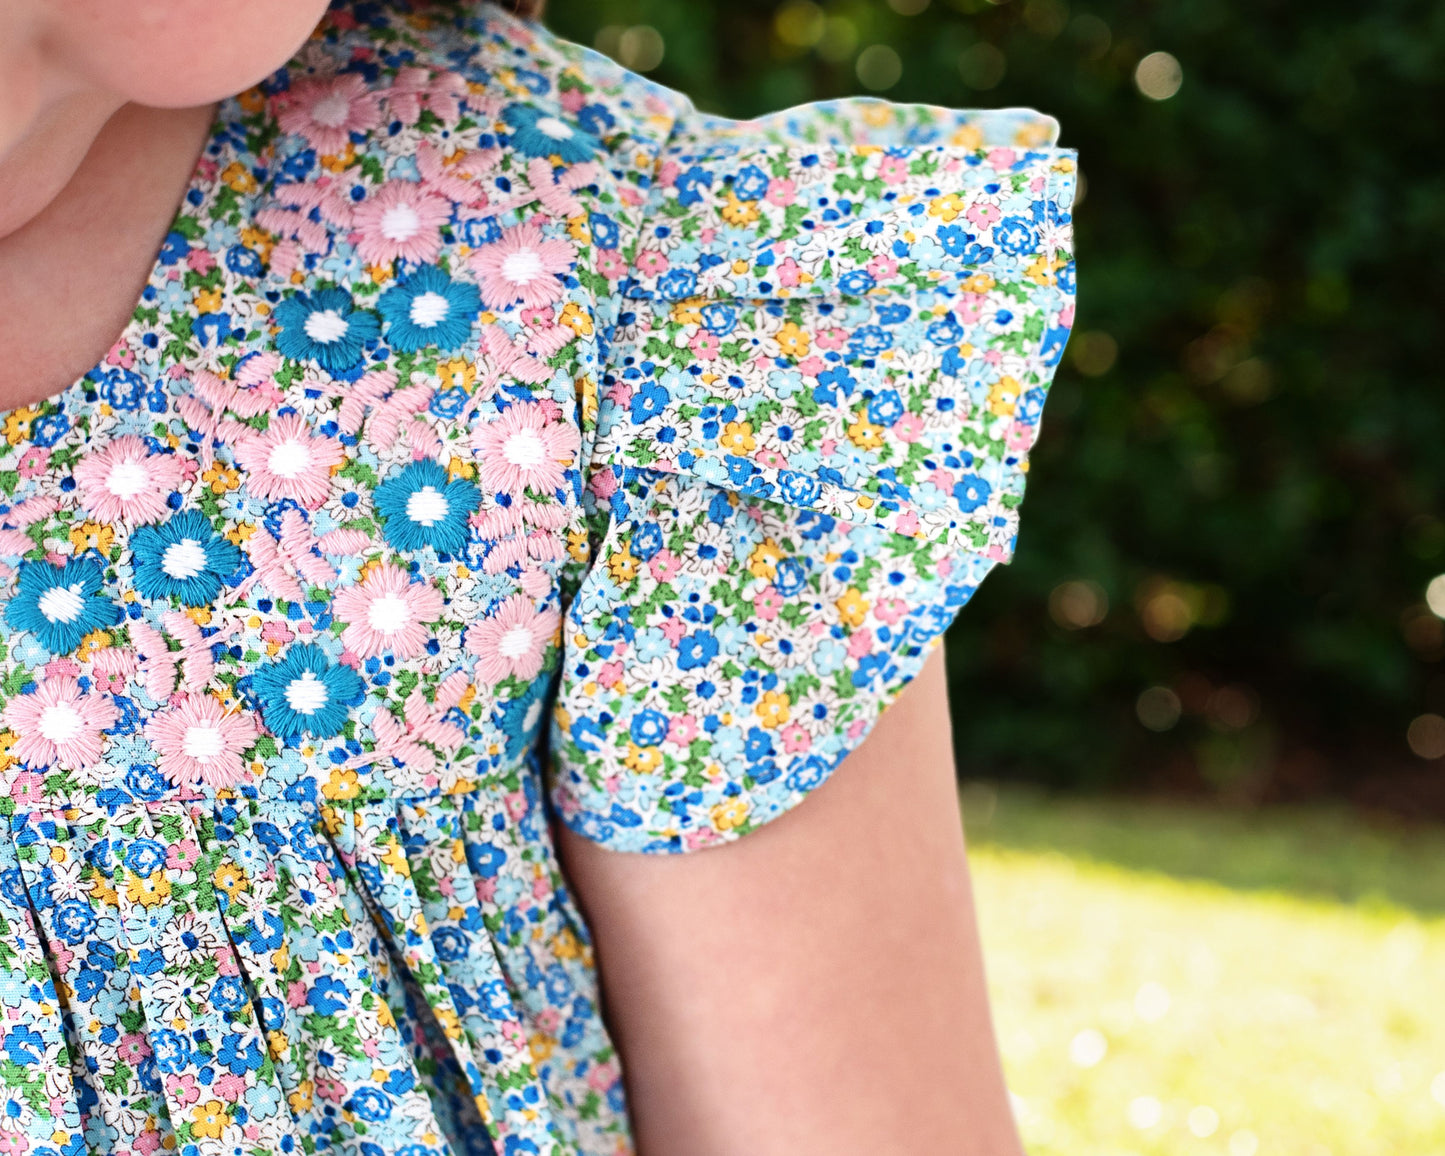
(1223, 585)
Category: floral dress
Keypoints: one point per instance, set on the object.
(497, 440)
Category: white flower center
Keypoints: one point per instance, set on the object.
(184, 559)
(60, 723)
(428, 308)
(128, 478)
(203, 741)
(522, 266)
(325, 326)
(525, 449)
(289, 459)
(551, 126)
(427, 507)
(307, 694)
(399, 223)
(388, 614)
(331, 111)
(62, 603)
(516, 642)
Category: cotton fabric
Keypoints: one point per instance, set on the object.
(497, 439)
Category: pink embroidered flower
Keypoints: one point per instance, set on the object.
(513, 641)
(125, 481)
(59, 726)
(401, 219)
(288, 461)
(327, 112)
(524, 264)
(524, 447)
(386, 612)
(198, 742)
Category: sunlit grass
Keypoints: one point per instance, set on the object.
(1168, 981)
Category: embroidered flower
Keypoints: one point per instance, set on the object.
(541, 134)
(525, 448)
(304, 692)
(58, 726)
(387, 612)
(327, 112)
(325, 327)
(124, 481)
(429, 308)
(183, 558)
(60, 605)
(199, 742)
(400, 219)
(423, 508)
(512, 641)
(289, 461)
(522, 265)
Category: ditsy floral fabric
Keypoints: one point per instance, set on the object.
(496, 438)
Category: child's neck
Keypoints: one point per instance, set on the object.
(71, 274)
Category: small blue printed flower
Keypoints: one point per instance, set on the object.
(60, 605)
(184, 558)
(304, 692)
(422, 508)
(540, 134)
(325, 327)
(429, 308)
(971, 492)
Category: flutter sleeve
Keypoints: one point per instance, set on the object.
(823, 372)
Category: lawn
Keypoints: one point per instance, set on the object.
(1175, 980)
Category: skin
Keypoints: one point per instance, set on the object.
(816, 987)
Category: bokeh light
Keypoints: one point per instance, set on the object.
(982, 66)
(878, 67)
(1158, 708)
(1435, 595)
(1426, 736)
(1158, 76)
(1079, 603)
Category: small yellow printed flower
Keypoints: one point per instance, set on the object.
(148, 890)
(577, 545)
(773, 710)
(978, 283)
(342, 784)
(852, 607)
(210, 1119)
(623, 565)
(208, 300)
(578, 228)
(737, 212)
(228, 878)
(93, 643)
(763, 561)
(687, 311)
(793, 341)
(643, 760)
(948, 206)
(258, 239)
(1003, 396)
(238, 177)
(7, 740)
(456, 374)
(17, 424)
(300, 1099)
(222, 479)
(729, 815)
(565, 945)
(1041, 269)
(968, 136)
(339, 164)
(92, 536)
(738, 437)
(542, 1045)
(577, 319)
(252, 100)
(865, 435)
(458, 467)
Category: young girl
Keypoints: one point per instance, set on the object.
(497, 458)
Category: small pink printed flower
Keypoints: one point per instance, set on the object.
(401, 219)
(327, 112)
(781, 192)
(386, 612)
(892, 170)
(909, 427)
(705, 345)
(610, 263)
(767, 603)
(198, 742)
(125, 481)
(59, 726)
(522, 264)
(288, 461)
(33, 461)
(523, 448)
(651, 262)
(513, 641)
